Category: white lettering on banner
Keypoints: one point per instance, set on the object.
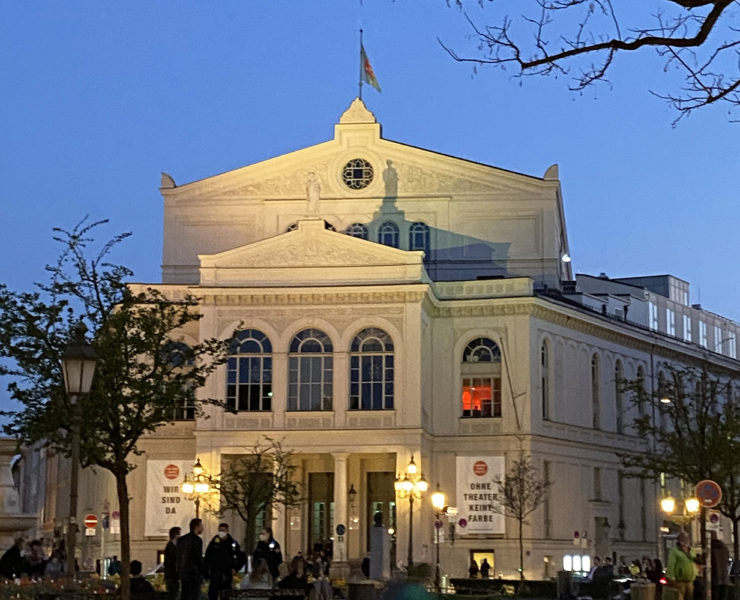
(166, 505)
(477, 494)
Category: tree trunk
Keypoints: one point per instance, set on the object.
(521, 550)
(250, 525)
(123, 506)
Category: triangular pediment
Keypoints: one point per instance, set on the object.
(313, 255)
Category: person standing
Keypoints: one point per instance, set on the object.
(268, 549)
(720, 556)
(171, 581)
(223, 559)
(189, 557)
(681, 570)
(485, 569)
(473, 569)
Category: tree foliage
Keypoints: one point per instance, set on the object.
(692, 426)
(520, 492)
(143, 373)
(584, 38)
(255, 481)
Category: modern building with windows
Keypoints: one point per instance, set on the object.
(394, 304)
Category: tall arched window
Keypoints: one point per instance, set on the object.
(595, 396)
(481, 379)
(388, 234)
(249, 372)
(179, 355)
(619, 395)
(310, 369)
(419, 238)
(371, 371)
(545, 380)
(358, 230)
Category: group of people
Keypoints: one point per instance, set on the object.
(484, 570)
(17, 561)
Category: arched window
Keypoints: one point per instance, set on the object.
(595, 396)
(358, 230)
(481, 379)
(179, 355)
(545, 379)
(249, 372)
(371, 371)
(310, 369)
(388, 234)
(419, 238)
(619, 395)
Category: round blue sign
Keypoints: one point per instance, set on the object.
(341, 529)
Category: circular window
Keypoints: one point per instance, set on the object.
(357, 174)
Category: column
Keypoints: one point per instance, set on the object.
(340, 509)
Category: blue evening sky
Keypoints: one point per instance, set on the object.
(99, 97)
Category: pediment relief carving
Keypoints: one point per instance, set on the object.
(306, 253)
(290, 183)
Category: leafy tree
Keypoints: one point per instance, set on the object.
(520, 492)
(253, 482)
(692, 425)
(143, 373)
(584, 38)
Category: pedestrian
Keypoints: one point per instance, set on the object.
(36, 559)
(12, 563)
(171, 580)
(681, 570)
(223, 560)
(473, 570)
(654, 575)
(114, 568)
(594, 568)
(190, 567)
(485, 569)
(139, 585)
(720, 557)
(268, 549)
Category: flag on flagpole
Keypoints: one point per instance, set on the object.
(367, 71)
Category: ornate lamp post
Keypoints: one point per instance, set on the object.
(412, 486)
(195, 485)
(690, 510)
(78, 367)
(439, 502)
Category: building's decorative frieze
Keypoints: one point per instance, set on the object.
(309, 253)
(310, 422)
(229, 298)
(371, 422)
(412, 178)
(286, 185)
(248, 423)
(480, 426)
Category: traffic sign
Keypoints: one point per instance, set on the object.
(709, 493)
(91, 521)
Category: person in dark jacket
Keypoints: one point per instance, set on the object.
(190, 567)
(268, 549)
(223, 559)
(171, 580)
(12, 563)
(139, 585)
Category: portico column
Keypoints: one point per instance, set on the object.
(340, 507)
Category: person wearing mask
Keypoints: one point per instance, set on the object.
(268, 549)
(171, 580)
(223, 559)
(189, 557)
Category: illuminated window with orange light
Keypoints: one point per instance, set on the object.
(481, 379)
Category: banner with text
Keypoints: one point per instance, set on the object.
(166, 505)
(477, 494)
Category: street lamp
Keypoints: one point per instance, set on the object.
(691, 508)
(78, 368)
(195, 485)
(411, 486)
(439, 502)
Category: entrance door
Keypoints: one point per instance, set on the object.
(381, 498)
(321, 510)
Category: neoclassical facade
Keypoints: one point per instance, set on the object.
(391, 302)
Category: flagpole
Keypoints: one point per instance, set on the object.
(360, 64)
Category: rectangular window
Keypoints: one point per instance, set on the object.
(702, 334)
(670, 322)
(481, 397)
(718, 339)
(686, 328)
(731, 344)
(653, 316)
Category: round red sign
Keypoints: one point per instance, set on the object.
(480, 468)
(91, 521)
(172, 471)
(709, 493)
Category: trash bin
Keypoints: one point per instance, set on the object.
(361, 590)
(642, 591)
(565, 585)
